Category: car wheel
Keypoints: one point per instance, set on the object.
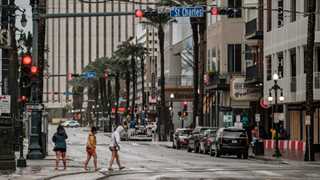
(189, 149)
(178, 146)
(217, 152)
(239, 156)
(197, 148)
(245, 155)
(211, 151)
(173, 146)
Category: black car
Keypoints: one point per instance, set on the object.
(230, 141)
(180, 137)
(194, 138)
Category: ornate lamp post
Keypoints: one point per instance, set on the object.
(275, 88)
(171, 115)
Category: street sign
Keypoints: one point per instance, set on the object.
(5, 104)
(67, 93)
(227, 118)
(308, 120)
(197, 11)
(90, 74)
(34, 107)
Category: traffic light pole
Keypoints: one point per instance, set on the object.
(36, 116)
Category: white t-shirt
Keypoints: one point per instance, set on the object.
(115, 139)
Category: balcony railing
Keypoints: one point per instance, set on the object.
(178, 80)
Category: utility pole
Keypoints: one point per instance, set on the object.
(36, 114)
(308, 63)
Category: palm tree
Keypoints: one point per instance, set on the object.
(159, 22)
(129, 50)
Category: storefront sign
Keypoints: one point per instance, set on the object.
(242, 91)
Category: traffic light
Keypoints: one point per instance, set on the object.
(26, 60)
(230, 12)
(34, 70)
(139, 13)
(185, 106)
(147, 13)
(214, 11)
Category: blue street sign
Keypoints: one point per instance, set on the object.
(89, 74)
(197, 11)
(67, 93)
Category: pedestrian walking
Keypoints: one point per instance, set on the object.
(91, 149)
(60, 146)
(115, 147)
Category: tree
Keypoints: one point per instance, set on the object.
(159, 22)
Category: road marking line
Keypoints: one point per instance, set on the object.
(268, 173)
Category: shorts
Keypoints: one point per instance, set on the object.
(60, 149)
(91, 151)
(113, 148)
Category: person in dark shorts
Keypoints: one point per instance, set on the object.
(60, 146)
(91, 148)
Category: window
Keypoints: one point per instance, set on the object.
(306, 7)
(234, 58)
(280, 65)
(269, 15)
(293, 59)
(269, 67)
(293, 8)
(237, 4)
(280, 13)
(318, 59)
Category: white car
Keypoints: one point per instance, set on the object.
(70, 123)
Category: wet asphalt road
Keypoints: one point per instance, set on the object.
(154, 161)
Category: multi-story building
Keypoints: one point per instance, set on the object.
(148, 36)
(228, 93)
(285, 40)
(178, 69)
(76, 41)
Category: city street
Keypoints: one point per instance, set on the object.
(150, 160)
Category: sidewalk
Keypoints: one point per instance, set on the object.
(286, 155)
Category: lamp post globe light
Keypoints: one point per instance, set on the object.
(275, 88)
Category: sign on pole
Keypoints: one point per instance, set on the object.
(4, 42)
(257, 117)
(5, 104)
(197, 11)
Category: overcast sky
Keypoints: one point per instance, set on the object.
(24, 4)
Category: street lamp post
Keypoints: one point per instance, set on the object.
(275, 88)
(171, 115)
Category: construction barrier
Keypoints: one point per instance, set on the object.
(292, 145)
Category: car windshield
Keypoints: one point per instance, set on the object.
(184, 132)
(234, 133)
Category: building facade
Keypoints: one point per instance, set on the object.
(74, 42)
(285, 43)
(228, 96)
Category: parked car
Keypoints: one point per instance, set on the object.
(180, 137)
(124, 135)
(140, 130)
(194, 138)
(207, 140)
(230, 141)
(70, 123)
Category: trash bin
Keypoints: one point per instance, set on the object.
(259, 148)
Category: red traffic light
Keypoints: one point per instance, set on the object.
(139, 13)
(214, 11)
(23, 98)
(26, 60)
(185, 103)
(34, 70)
